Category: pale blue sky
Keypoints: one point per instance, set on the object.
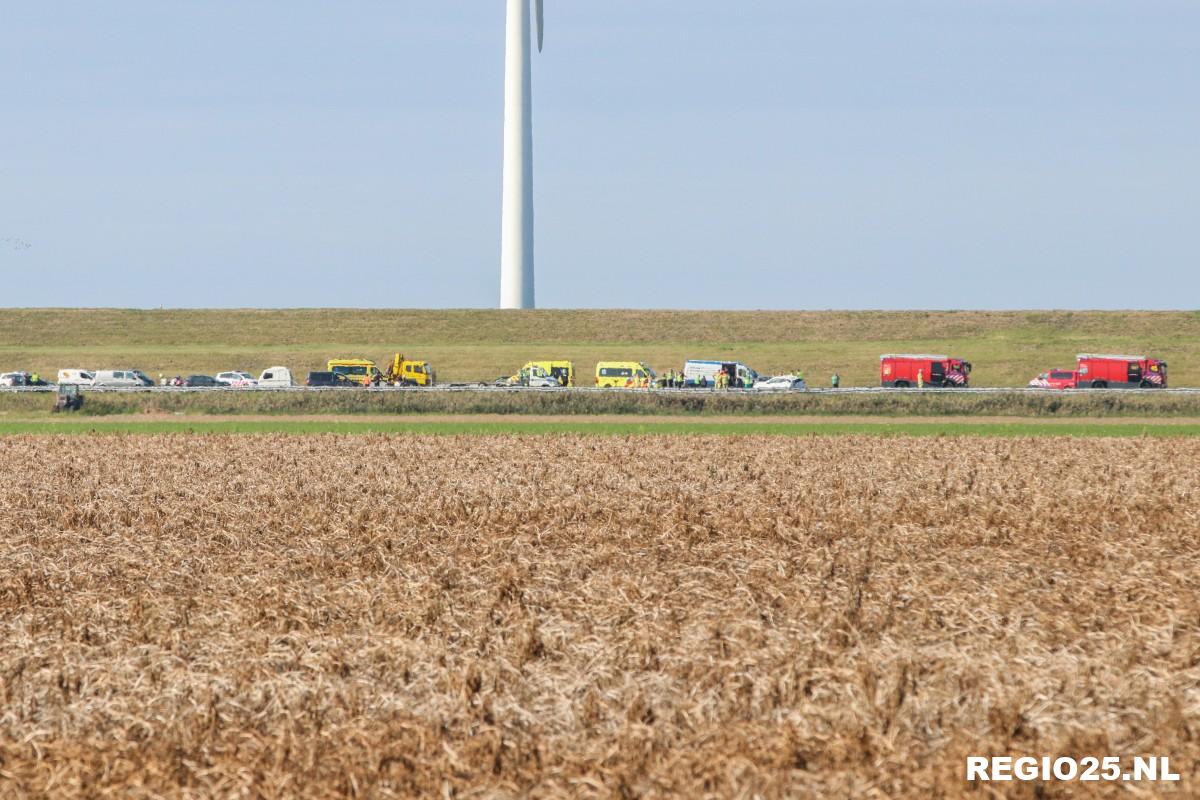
(700, 154)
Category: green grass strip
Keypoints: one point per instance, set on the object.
(606, 428)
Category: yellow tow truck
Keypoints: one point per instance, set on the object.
(400, 372)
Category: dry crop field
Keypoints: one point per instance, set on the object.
(323, 616)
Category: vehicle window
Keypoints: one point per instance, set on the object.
(1061, 376)
(268, 376)
(350, 371)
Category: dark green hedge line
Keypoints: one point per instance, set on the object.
(1108, 404)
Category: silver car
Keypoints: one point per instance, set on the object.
(781, 383)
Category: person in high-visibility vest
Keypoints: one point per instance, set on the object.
(920, 379)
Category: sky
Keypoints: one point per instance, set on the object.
(769, 154)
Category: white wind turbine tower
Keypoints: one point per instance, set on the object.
(516, 224)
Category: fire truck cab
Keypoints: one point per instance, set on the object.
(901, 371)
(1120, 372)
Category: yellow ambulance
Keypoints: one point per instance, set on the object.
(624, 375)
(359, 370)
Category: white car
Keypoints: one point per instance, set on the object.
(14, 379)
(538, 378)
(238, 380)
(781, 383)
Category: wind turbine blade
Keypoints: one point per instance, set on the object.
(541, 23)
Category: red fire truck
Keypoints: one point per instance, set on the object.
(902, 371)
(1121, 372)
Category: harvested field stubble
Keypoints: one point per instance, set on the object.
(378, 616)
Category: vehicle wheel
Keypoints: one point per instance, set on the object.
(1099, 385)
(900, 385)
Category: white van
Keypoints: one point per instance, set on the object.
(276, 377)
(75, 377)
(121, 377)
(695, 371)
